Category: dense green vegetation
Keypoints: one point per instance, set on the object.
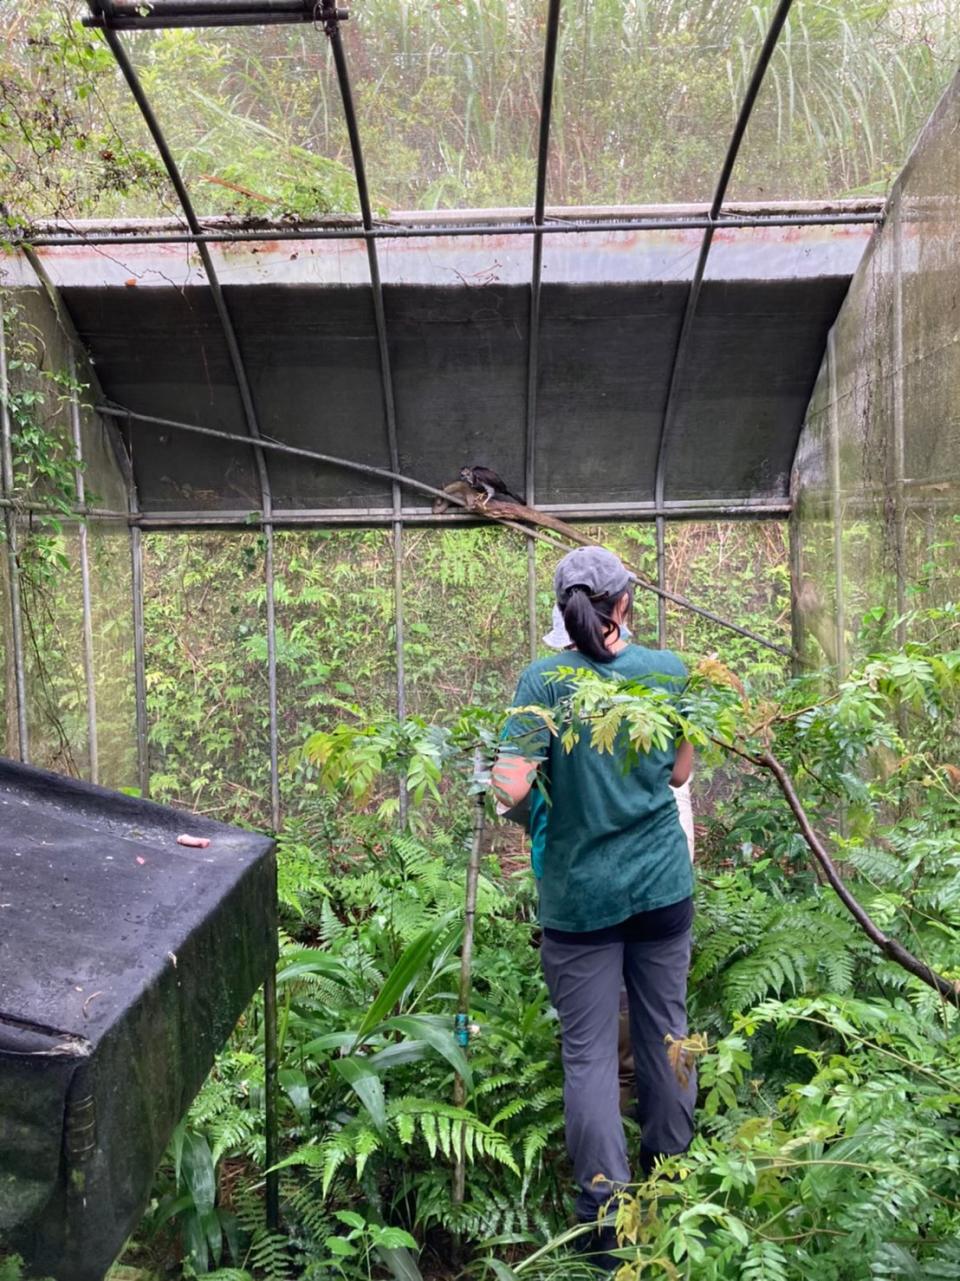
(448, 93)
(828, 1139)
(828, 1144)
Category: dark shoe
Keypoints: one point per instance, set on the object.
(596, 1246)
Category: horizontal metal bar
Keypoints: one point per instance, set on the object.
(27, 507)
(113, 9)
(366, 517)
(133, 15)
(383, 232)
(150, 23)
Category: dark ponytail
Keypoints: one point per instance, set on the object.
(589, 621)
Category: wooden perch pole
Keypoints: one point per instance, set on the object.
(466, 968)
(515, 515)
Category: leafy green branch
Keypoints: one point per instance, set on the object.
(714, 712)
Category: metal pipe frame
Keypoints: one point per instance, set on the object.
(680, 355)
(899, 436)
(130, 15)
(383, 231)
(89, 668)
(795, 552)
(423, 518)
(253, 432)
(536, 278)
(240, 376)
(271, 1090)
(661, 544)
(839, 611)
(13, 558)
(139, 650)
(331, 19)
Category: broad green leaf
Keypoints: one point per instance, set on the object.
(198, 1173)
(412, 961)
(367, 1086)
(294, 1085)
(444, 1042)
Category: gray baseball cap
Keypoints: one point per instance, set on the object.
(595, 568)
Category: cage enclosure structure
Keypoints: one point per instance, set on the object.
(756, 325)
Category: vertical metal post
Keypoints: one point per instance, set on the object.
(139, 661)
(899, 448)
(661, 531)
(139, 637)
(462, 1023)
(398, 633)
(331, 20)
(533, 630)
(836, 506)
(272, 668)
(796, 571)
(13, 562)
(82, 534)
(271, 1096)
(536, 278)
(398, 617)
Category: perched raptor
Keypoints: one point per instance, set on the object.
(488, 484)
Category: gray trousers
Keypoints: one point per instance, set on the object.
(584, 981)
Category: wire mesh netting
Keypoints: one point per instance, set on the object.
(878, 473)
(448, 95)
(848, 89)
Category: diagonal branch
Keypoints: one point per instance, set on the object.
(892, 948)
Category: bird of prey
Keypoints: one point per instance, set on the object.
(488, 484)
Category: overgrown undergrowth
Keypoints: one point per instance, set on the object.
(828, 1142)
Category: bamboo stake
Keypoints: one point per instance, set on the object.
(466, 967)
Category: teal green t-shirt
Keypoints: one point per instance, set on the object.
(608, 843)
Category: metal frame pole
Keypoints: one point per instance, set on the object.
(899, 440)
(661, 533)
(139, 631)
(240, 376)
(839, 613)
(273, 710)
(89, 667)
(331, 17)
(13, 561)
(795, 537)
(139, 661)
(253, 431)
(681, 351)
(271, 1085)
(381, 231)
(536, 280)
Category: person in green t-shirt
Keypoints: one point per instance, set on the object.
(616, 887)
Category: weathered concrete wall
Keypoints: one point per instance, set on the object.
(876, 481)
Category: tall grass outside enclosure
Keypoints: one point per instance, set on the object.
(645, 98)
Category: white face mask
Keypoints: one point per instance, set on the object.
(557, 638)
